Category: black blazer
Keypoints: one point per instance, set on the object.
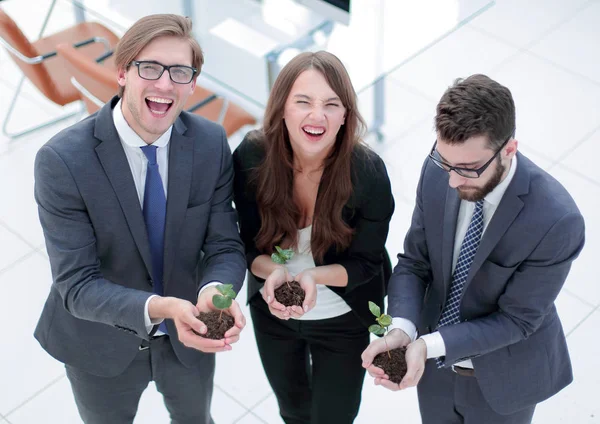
(368, 211)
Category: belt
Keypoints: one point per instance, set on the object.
(146, 344)
(465, 372)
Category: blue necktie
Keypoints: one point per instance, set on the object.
(155, 211)
(468, 248)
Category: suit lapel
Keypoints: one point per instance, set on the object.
(509, 208)
(112, 157)
(178, 191)
(449, 231)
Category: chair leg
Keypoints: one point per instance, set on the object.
(223, 111)
(46, 19)
(11, 108)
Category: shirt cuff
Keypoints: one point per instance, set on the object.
(150, 323)
(207, 285)
(405, 325)
(435, 345)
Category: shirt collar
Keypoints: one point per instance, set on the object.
(129, 137)
(496, 194)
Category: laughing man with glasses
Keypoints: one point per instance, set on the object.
(136, 207)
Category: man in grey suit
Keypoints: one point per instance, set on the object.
(490, 245)
(135, 203)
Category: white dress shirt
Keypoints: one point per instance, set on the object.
(138, 163)
(434, 341)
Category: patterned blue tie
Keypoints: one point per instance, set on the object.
(468, 248)
(155, 211)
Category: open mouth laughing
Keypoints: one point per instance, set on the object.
(313, 133)
(158, 106)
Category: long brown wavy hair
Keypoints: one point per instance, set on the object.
(275, 176)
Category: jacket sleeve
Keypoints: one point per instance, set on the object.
(245, 158)
(366, 254)
(71, 246)
(412, 274)
(223, 251)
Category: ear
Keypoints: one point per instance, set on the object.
(121, 76)
(511, 148)
(193, 85)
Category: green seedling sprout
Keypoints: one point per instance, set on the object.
(281, 256)
(383, 322)
(223, 301)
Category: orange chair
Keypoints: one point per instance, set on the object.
(97, 84)
(41, 65)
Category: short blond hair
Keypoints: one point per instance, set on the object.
(148, 28)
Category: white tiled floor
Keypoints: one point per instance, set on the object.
(545, 51)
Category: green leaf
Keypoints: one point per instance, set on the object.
(221, 302)
(375, 329)
(223, 288)
(374, 309)
(385, 320)
(229, 292)
(284, 255)
(277, 259)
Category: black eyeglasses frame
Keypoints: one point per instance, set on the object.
(137, 64)
(465, 172)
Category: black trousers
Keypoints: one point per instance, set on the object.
(314, 367)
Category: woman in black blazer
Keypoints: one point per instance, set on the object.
(306, 181)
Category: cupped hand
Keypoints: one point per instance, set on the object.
(275, 280)
(416, 356)
(183, 314)
(307, 281)
(205, 304)
(394, 339)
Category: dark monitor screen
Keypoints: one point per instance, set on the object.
(340, 4)
(337, 10)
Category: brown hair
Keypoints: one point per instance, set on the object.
(274, 178)
(145, 30)
(476, 106)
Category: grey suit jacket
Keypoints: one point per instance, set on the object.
(509, 325)
(98, 245)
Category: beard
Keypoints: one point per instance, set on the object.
(475, 194)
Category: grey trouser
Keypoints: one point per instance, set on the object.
(449, 398)
(187, 392)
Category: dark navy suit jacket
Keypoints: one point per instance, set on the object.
(509, 325)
